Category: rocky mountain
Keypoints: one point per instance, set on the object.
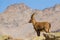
(51, 15)
(14, 20)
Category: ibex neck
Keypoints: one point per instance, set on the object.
(33, 21)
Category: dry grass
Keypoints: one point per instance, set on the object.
(47, 36)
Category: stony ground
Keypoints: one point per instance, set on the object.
(48, 36)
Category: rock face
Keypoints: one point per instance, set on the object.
(14, 20)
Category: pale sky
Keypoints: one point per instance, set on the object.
(34, 4)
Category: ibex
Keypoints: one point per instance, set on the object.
(40, 26)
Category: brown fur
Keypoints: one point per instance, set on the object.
(40, 26)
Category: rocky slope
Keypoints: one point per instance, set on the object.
(51, 15)
(14, 20)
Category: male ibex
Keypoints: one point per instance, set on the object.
(40, 26)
